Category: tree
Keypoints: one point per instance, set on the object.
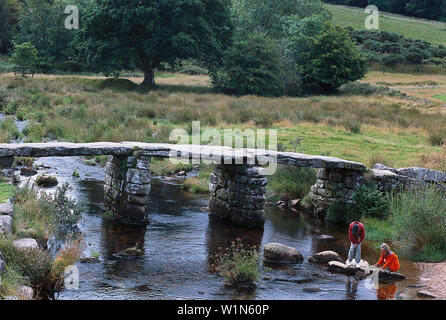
(25, 54)
(323, 53)
(41, 22)
(269, 16)
(8, 19)
(120, 34)
(250, 66)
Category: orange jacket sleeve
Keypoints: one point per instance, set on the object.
(381, 260)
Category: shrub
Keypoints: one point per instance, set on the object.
(238, 265)
(419, 222)
(323, 53)
(25, 54)
(40, 215)
(368, 201)
(33, 264)
(250, 66)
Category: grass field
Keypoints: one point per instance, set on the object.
(369, 129)
(430, 31)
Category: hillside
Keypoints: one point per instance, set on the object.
(430, 31)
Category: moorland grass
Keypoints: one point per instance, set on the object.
(353, 127)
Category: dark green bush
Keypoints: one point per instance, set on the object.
(251, 66)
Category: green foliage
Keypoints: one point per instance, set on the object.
(323, 54)
(33, 264)
(6, 191)
(419, 223)
(250, 67)
(238, 264)
(142, 34)
(391, 48)
(291, 181)
(340, 213)
(41, 215)
(25, 54)
(368, 201)
(8, 19)
(251, 16)
(109, 215)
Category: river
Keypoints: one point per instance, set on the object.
(179, 243)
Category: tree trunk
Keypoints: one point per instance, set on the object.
(147, 64)
(149, 79)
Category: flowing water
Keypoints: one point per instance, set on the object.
(179, 244)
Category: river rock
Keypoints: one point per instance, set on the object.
(280, 253)
(27, 243)
(2, 264)
(6, 225)
(46, 181)
(351, 270)
(28, 172)
(325, 257)
(6, 209)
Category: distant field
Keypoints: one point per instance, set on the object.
(430, 31)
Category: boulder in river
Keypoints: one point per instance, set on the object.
(46, 181)
(325, 237)
(6, 225)
(6, 209)
(325, 257)
(25, 171)
(26, 243)
(280, 253)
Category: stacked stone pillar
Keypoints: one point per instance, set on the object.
(238, 194)
(335, 185)
(127, 187)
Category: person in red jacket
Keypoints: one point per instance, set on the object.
(388, 259)
(356, 234)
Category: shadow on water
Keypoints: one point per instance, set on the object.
(172, 257)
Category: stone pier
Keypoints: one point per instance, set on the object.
(127, 187)
(238, 194)
(335, 185)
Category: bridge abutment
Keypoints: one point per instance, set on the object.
(238, 194)
(335, 185)
(127, 187)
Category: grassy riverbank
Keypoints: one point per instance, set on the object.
(351, 124)
(39, 216)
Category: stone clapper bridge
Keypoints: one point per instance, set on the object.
(237, 184)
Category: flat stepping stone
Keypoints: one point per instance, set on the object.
(280, 253)
(325, 257)
(339, 267)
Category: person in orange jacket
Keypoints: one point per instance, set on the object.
(388, 258)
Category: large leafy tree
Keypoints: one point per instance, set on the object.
(143, 33)
(323, 53)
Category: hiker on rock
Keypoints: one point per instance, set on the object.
(356, 234)
(389, 259)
